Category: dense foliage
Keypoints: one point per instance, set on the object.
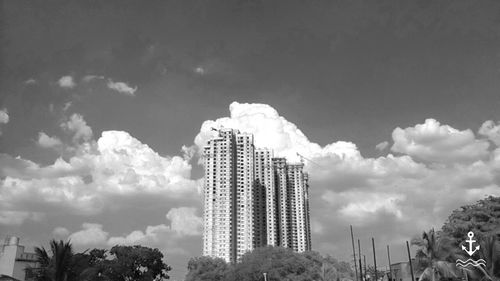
(435, 257)
(483, 218)
(438, 251)
(206, 268)
(121, 263)
(278, 264)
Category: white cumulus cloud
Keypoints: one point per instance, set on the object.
(91, 234)
(60, 232)
(78, 126)
(66, 82)
(434, 142)
(150, 235)
(184, 221)
(376, 194)
(273, 131)
(115, 165)
(183, 224)
(121, 87)
(491, 130)
(47, 141)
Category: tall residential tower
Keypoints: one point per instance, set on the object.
(251, 199)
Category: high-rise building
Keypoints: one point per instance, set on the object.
(245, 199)
(219, 191)
(265, 213)
(251, 199)
(282, 201)
(267, 216)
(298, 215)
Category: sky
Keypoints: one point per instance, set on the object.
(104, 107)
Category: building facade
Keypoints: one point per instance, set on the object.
(251, 198)
(401, 271)
(14, 261)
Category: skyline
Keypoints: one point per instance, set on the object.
(251, 198)
(104, 107)
(183, 222)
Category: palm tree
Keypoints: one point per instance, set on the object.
(58, 265)
(490, 253)
(435, 257)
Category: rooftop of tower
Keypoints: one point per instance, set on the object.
(222, 131)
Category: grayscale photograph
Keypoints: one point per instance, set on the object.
(249, 140)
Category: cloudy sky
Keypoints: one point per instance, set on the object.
(104, 106)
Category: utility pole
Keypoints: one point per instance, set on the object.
(390, 268)
(354, 253)
(375, 260)
(364, 261)
(360, 265)
(409, 259)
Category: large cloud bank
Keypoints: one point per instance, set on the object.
(428, 170)
(432, 169)
(98, 172)
(184, 222)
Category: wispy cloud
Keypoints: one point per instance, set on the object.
(122, 87)
(30, 81)
(88, 78)
(18, 217)
(199, 70)
(67, 105)
(4, 118)
(382, 146)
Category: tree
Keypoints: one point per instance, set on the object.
(370, 271)
(121, 263)
(435, 256)
(332, 269)
(92, 266)
(278, 263)
(482, 218)
(127, 263)
(56, 266)
(206, 269)
(490, 253)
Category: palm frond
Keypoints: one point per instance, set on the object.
(446, 269)
(426, 274)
